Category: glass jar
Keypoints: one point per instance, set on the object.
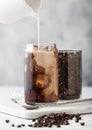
(41, 73)
(69, 74)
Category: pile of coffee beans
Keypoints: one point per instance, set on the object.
(53, 119)
(69, 74)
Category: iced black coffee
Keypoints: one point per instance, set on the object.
(41, 73)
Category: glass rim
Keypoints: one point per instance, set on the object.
(72, 50)
(42, 45)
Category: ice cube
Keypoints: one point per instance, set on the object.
(47, 79)
(35, 48)
(49, 94)
(39, 70)
(39, 81)
(32, 65)
(31, 95)
(29, 76)
(47, 91)
(50, 47)
(42, 81)
(52, 97)
(45, 48)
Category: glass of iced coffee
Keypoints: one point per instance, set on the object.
(41, 73)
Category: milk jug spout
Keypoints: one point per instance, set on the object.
(13, 10)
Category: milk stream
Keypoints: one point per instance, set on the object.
(38, 31)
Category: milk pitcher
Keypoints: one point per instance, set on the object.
(13, 10)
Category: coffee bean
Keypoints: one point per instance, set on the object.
(82, 123)
(30, 125)
(7, 121)
(13, 125)
(49, 125)
(79, 118)
(33, 120)
(66, 122)
(58, 126)
(23, 125)
(76, 120)
(18, 126)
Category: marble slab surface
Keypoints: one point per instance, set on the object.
(5, 100)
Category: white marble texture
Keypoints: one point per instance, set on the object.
(68, 23)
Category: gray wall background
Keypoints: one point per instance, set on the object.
(68, 23)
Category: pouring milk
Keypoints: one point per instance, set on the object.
(13, 10)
